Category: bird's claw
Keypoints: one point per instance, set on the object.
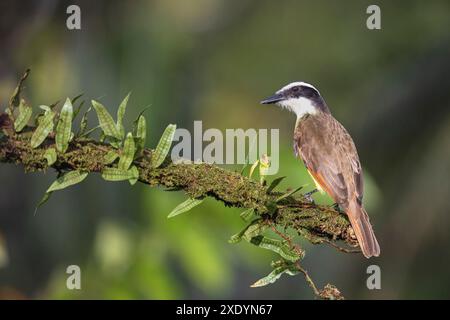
(308, 195)
(336, 207)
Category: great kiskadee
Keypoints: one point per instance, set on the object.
(329, 155)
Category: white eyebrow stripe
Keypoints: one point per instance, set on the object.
(298, 83)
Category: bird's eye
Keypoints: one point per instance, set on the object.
(295, 89)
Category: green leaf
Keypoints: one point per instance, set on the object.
(139, 115)
(67, 180)
(106, 121)
(44, 128)
(53, 105)
(247, 157)
(113, 142)
(134, 170)
(14, 101)
(42, 201)
(274, 276)
(277, 246)
(45, 108)
(251, 230)
(121, 114)
(275, 183)
(84, 122)
(50, 156)
(247, 214)
(184, 207)
(256, 228)
(271, 207)
(9, 113)
(77, 110)
(102, 137)
(64, 127)
(264, 165)
(252, 169)
(163, 147)
(289, 193)
(270, 278)
(110, 157)
(88, 132)
(114, 174)
(127, 155)
(75, 99)
(24, 116)
(141, 134)
(235, 238)
(62, 182)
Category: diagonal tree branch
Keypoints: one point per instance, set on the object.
(273, 209)
(319, 223)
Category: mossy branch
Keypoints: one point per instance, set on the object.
(316, 223)
(319, 223)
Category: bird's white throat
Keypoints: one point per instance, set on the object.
(300, 106)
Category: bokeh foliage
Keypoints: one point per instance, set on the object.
(214, 60)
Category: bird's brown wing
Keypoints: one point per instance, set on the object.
(330, 156)
(326, 173)
(357, 172)
(349, 150)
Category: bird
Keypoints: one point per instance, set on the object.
(329, 155)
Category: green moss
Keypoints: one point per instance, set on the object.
(315, 222)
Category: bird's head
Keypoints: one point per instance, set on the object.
(300, 98)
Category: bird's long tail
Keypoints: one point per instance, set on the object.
(363, 230)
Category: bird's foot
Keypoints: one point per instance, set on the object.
(308, 195)
(337, 208)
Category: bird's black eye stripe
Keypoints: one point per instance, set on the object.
(310, 93)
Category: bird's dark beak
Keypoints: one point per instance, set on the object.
(273, 99)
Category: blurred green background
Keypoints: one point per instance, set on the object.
(214, 60)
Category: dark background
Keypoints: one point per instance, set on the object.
(214, 60)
